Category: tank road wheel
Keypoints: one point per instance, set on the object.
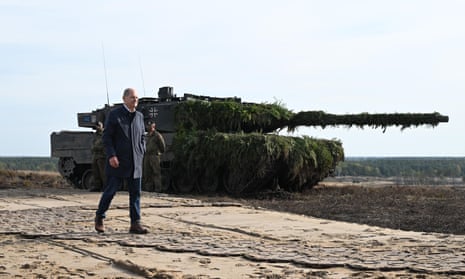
(165, 179)
(87, 179)
(165, 183)
(208, 186)
(235, 185)
(182, 185)
(208, 182)
(66, 166)
(309, 185)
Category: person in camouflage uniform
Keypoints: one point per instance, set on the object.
(98, 160)
(151, 178)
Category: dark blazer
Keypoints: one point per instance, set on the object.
(126, 140)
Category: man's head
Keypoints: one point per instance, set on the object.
(130, 98)
(151, 127)
(99, 127)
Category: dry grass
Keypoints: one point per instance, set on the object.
(31, 179)
(417, 208)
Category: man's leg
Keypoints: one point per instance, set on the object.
(105, 201)
(146, 174)
(103, 176)
(153, 161)
(157, 174)
(134, 188)
(107, 195)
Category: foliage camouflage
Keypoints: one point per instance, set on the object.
(224, 144)
(208, 160)
(230, 116)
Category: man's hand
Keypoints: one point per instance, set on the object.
(114, 162)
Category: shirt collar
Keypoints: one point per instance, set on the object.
(126, 107)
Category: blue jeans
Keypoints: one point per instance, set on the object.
(113, 185)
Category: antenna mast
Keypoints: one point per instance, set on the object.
(105, 70)
(142, 75)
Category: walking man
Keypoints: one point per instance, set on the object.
(124, 142)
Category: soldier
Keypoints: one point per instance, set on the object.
(98, 160)
(152, 170)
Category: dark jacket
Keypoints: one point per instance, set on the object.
(126, 140)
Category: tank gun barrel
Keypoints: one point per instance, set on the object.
(253, 117)
(377, 120)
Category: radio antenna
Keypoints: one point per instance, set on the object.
(142, 75)
(105, 70)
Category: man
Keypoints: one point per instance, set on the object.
(98, 160)
(152, 172)
(124, 142)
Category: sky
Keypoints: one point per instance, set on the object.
(58, 58)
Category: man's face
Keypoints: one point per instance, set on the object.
(131, 100)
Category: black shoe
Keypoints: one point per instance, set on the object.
(137, 229)
(99, 224)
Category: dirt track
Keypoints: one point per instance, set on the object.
(49, 233)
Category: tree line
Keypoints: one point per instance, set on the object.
(402, 166)
(29, 163)
(352, 166)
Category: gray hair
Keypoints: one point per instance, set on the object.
(128, 91)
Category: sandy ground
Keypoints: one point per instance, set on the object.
(48, 233)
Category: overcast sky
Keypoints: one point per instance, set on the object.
(338, 56)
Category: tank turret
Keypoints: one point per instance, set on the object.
(224, 144)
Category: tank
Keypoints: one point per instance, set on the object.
(227, 145)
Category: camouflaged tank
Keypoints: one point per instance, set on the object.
(226, 145)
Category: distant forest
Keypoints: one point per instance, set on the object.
(29, 163)
(403, 166)
(419, 167)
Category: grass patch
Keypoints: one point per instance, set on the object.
(10, 179)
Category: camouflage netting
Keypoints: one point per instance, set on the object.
(238, 163)
(231, 116)
(379, 120)
(223, 144)
(250, 117)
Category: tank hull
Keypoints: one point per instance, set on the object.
(73, 148)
